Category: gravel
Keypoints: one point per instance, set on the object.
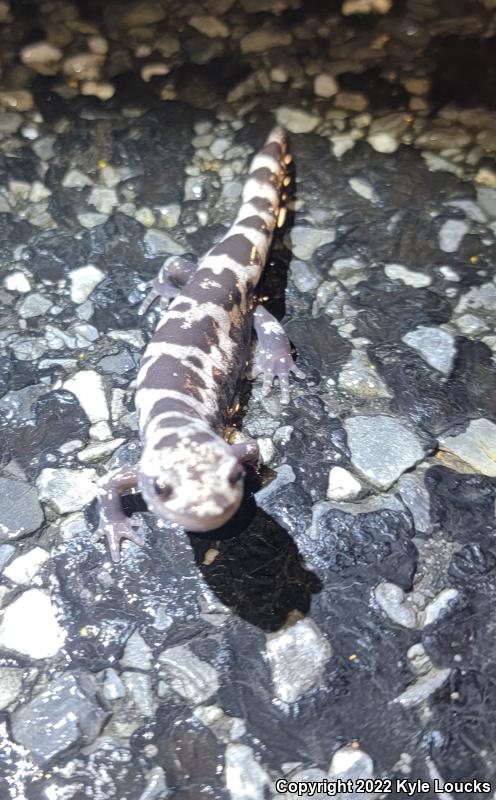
(451, 234)
(382, 448)
(193, 679)
(342, 485)
(88, 386)
(20, 512)
(398, 272)
(476, 446)
(29, 626)
(203, 664)
(23, 569)
(67, 490)
(63, 715)
(297, 656)
(436, 346)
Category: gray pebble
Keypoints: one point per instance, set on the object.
(20, 510)
(423, 687)
(306, 240)
(158, 243)
(360, 378)
(476, 446)
(64, 715)
(391, 598)
(451, 234)
(382, 448)
(10, 685)
(187, 675)
(137, 654)
(297, 657)
(436, 346)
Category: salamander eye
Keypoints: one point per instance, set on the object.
(236, 474)
(164, 492)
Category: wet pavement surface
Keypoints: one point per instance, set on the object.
(341, 625)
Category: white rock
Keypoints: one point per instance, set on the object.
(470, 208)
(83, 281)
(40, 53)
(143, 12)
(483, 296)
(476, 446)
(296, 120)
(17, 282)
(436, 346)
(98, 44)
(383, 142)
(325, 85)
(29, 626)
(423, 687)
(297, 657)
(89, 388)
(245, 778)
(470, 325)
(149, 71)
(212, 27)
(5, 15)
(258, 41)
(279, 74)
(39, 192)
(104, 200)
(24, 568)
(74, 179)
(168, 45)
(350, 763)
(96, 452)
(342, 485)
(364, 189)
(67, 489)
(145, 216)
(341, 143)
(102, 89)
(91, 220)
(366, 7)
(397, 272)
(440, 605)
(306, 240)
(195, 680)
(449, 273)
(486, 199)
(451, 234)
(391, 599)
(83, 66)
(382, 448)
(18, 99)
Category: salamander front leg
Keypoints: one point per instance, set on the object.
(113, 524)
(173, 275)
(273, 356)
(246, 452)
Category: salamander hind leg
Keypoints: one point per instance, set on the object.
(173, 275)
(273, 357)
(113, 524)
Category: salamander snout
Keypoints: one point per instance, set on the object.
(198, 486)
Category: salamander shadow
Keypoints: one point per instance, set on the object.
(254, 567)
(251, 564)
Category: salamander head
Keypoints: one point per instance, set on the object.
(198, 483)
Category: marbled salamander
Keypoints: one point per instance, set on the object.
(191, 367)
